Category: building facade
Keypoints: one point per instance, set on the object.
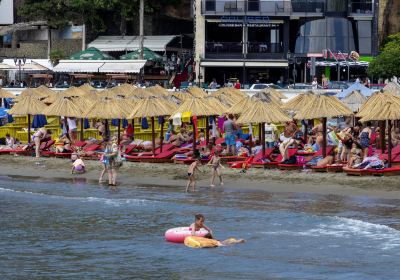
(274, 40)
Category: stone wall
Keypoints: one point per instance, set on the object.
(38, 49)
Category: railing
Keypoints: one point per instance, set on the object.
(361, 8)
(264, 47)
(224, 47)
(261, 7)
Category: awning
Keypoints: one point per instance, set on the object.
(101, 66)
(131, 43)
(78, 66)
(126, 66)
(209, 63)
(30, 65)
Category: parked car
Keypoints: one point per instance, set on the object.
(263, 86)
(377, 86)
(339, 85)
(301, 86)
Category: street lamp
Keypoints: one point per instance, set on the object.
(20, 62)
(288, 56)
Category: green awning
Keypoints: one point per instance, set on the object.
(366, 58)
(91, 54)
(147, 55)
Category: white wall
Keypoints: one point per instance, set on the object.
(6, 12)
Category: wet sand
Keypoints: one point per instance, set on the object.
(173, 175)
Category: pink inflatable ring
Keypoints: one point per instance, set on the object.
(178, 235)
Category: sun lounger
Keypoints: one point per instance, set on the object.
(322, 168)
(392, 171)
(164, 157)
(356, 172)
(44, 147)
(335, 168)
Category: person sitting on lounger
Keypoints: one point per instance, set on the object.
(63, 145)
(356, 155)
(295, 141)
(395, 137)
(10, 141)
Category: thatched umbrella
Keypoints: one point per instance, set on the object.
(28, 105)
(354, 100)
(181, 95)
(261, 113)
(157, 90)
(141, 93)
(387, 109)
(196, 92)
(31, 92)
(323, 106)
(151, 107)
(124, 89)
(373, 102)
(45, 91)
(241, 106)
(108, 109)
(5, 94)
(74, 92)
(87, 88)
(197, 107)
(275, 93)
(299, 101)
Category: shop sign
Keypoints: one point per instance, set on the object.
(249, 21)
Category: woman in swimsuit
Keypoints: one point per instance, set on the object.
(40, 135)
(365, 138)
(215, 162)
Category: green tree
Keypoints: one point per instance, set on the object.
(387, 63)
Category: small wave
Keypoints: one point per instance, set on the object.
(349, 228)
(107, 201)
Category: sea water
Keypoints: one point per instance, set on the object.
(78, 230)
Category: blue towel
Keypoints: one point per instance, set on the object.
(86, 124)
(39, 121)
(145, 124)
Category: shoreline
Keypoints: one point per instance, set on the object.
(174, 175)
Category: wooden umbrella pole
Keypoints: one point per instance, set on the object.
(263, 137)
(207, 132)
(133, 127)
(382, 137)
(107, 130)
(305, 131)
(153, 136)
(162, 135)
(214, 138)
(119, 131)
(82, 138)
(194, 136)
(259, 133)
(29, 128)
(250, 138)
(324, 137)
(389, 143)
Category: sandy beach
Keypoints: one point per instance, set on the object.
(172, 175)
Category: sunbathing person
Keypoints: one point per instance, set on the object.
(356, 155)
(63, 145)
(10, 141)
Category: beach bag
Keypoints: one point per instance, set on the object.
(119, 160)
(301, 160)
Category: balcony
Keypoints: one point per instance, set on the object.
(310, 8)
(361, 9)
(234, 50)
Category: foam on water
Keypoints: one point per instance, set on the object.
(107, 201)
(340, 227)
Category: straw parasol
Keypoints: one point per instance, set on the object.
(196, 92)
(298, 101)
(197, 107)
(323, 106)
(387, 109)
(157, 90)
(108, 109)
(124, 89)
(275, 93)
(354, 100)
(45, 91)
(393, 87)
(241, 106)
(28, 105)
(6, 94)
(73, 92)
(31, 92)
(141, 93)
(181, 95)
(63, 107)
(87, 88)
(372, 102)
(152, 107)
(266, 96)
(261, 113)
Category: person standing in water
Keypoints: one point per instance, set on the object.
(191, 178)
(215, 162)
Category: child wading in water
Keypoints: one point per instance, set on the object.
(215, 162)
(199, 224)
(192, 179)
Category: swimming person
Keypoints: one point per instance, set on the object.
(199, 224)
(191, 178)
(215, 162)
